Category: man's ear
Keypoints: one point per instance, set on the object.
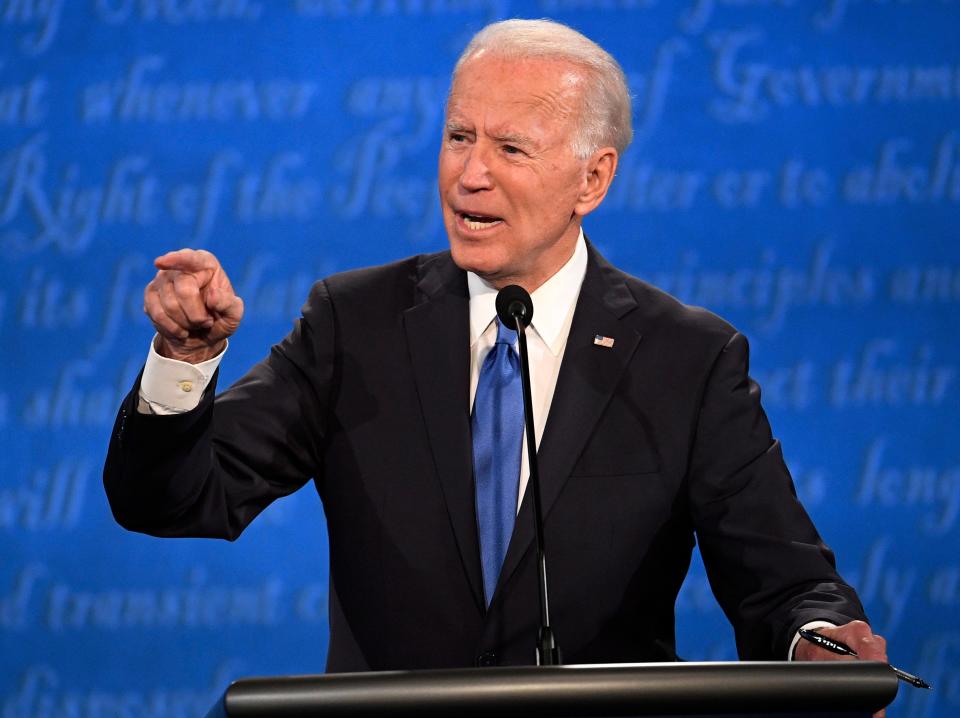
(600, 170)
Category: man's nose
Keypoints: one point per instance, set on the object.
(475, 174)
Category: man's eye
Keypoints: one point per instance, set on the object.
(511, 150)
(457, 137)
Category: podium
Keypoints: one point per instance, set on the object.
(852, 689)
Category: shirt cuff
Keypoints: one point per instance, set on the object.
(809, 627)
(169, 386)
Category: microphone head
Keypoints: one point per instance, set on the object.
(514, 301)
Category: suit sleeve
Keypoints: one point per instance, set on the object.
(766, 563)
(210, 471)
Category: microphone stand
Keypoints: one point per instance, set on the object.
(548, 653)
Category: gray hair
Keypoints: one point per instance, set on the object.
(605, 117)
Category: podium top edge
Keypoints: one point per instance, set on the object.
(577, 690)
(742, 668)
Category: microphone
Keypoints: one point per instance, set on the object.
(513, 302)
(515, 309)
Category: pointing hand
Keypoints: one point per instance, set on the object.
(192, 305)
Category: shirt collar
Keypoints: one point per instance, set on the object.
(553, 301)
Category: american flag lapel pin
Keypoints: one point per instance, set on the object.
(602, 341)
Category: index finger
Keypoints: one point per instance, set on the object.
(187, 260)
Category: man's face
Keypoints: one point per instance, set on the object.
(510, 185)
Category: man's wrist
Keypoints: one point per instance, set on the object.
(197, 355)
(811, 626)
(171, 386)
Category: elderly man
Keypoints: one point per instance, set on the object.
(390, 394)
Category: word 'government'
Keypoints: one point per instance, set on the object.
(751, 90)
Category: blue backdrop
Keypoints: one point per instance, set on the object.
(796, 169)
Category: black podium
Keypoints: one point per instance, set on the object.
(853, 689)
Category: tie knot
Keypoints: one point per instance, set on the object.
(505, 335)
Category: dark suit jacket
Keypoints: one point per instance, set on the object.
(648, 443)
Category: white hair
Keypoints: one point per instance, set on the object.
(604, 119)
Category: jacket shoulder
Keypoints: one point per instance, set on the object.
(393, 285)
(659, 312)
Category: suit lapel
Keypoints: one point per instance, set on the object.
(588, 377)
(438, 337)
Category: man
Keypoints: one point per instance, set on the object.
(649, 430)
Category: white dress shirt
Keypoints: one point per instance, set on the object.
(553, 305)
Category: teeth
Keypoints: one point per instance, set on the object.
(477, 223)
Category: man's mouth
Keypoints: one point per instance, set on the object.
(478, 221)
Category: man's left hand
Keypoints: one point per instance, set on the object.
(857, 635)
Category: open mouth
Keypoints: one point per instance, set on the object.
(478, 221)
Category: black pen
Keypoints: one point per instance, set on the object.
(829, 644)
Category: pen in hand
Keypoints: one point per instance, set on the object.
(829, 644)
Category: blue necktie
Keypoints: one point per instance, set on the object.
(497, 438)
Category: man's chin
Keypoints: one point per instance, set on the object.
(476, 260)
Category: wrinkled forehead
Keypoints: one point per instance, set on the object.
(552, 85)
